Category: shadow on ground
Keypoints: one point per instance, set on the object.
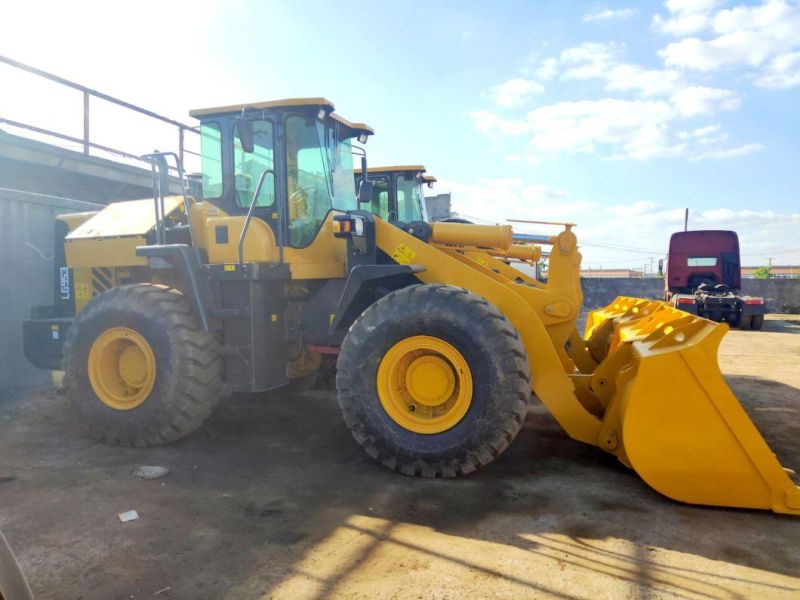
(268, 479)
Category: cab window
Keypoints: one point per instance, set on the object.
(248, 167)
(409, 199)
(379, 205)
(211, 159)
(701, 261)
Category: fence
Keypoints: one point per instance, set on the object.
(781, 295)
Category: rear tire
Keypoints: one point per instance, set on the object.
(468, 327)
(745, 322)
(186, 366)
(756, 322)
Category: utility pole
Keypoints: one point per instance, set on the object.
(651, 265)
(686, 220)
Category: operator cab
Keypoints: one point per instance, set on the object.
(397, 192)
(300, 151)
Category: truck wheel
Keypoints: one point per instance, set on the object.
(433, 380)
(139, 368)
(745, 321)
(756, 322)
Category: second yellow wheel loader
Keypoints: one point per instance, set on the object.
(163, 305)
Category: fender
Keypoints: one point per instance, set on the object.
(184, 260)
(360, 289)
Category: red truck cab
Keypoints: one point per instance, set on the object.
(704, 277)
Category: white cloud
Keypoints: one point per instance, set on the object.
(515, 92)
(700, 132)
(757, 36)
(593, 60)
(490, 123)
(589, 60)
(642, 127)
(609, 14)
(649, 82)
(686, 16)
(579, 127)
(701, 100)
(641, 224)
(620, 129)
(742, 150)
(783, 72)
(547, 69)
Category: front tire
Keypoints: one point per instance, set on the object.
(433, 380)
(139, 368)
(756, 322)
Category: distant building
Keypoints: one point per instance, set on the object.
(438, 207)
(608, 273)
(776, 271)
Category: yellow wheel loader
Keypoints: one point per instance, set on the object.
(397, 192)
(163, 305)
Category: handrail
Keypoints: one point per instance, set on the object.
(250, 214)
(87, 94)
(159, 163)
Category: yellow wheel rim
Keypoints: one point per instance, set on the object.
(424, 384)
(122, 368)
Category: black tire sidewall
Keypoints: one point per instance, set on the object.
(154, 332)
(466, 327)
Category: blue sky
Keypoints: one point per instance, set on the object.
(615, 115)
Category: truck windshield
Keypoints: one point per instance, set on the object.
(319, 168)
(409, 198)
(701, 261)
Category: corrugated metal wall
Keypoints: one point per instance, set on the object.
(26, 276)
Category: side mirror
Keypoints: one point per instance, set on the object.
(244, 129)
(365, 191)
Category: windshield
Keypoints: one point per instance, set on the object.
(319, 168)
(410, 199)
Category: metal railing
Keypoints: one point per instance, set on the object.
(88, 93)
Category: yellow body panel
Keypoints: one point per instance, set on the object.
(131, 217)
(104, 252)
(259, 243)
(73, 220)
(324, 258)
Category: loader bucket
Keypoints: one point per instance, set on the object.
(670, 415)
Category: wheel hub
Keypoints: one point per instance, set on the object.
(121, 368)
(424, 384)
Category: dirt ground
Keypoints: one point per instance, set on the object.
(273, 499)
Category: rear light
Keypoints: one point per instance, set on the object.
(754, 301)
(685, 300)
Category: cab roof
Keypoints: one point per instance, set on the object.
(394, 169)
(356, 128)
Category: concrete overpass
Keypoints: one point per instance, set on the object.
(38, 167)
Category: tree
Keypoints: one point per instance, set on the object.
(762, 272)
